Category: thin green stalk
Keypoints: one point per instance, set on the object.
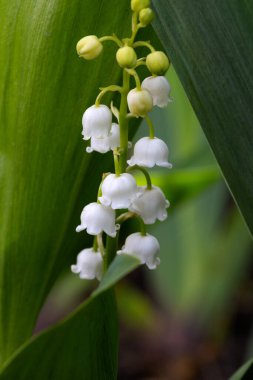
(116, 163)
(111, 249)
(113, 38)
(103, 91)
(123, 122)
(151, 127)
(144, 171)
(144, 43)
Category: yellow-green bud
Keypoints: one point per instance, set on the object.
(138, 5)
(146, 16)
(139, 102)
(157, 63)
(126, 57)
(89, 47)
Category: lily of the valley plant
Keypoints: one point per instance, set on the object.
(119, 198)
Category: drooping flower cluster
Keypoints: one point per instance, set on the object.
(119, 197)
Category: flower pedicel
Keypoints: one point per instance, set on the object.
(119, 198)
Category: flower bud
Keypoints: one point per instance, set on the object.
(146, 16)
(89, 47)
(139, 102)
(157, 63)
(126, 57)
(138, 5)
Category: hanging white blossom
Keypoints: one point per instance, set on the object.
(97, 121)
(107, 143)
(89, 264)
(146, 248)
(118, 191)
(149, 152)
(159, 89)
(96, 218)
(150, 205)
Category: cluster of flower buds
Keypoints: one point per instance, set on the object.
(119, 197)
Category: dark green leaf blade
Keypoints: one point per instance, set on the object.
(120, 267)
(45, 173)
(244, 373)
(210, 48)
(85, 345)
(82, 347)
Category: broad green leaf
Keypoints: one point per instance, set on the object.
(244, 373)
(82, 346)
(46, 176)
(211, 51)
(120, 267)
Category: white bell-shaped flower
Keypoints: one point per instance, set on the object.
(118, 191)
(89, 264)
(149, 152)
(159, 89)
(96, 218)
(146, 248)
(97, 121)
(107, 143)
(150, 205)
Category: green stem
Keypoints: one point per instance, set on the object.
(113, 38)
(95, 244)
(144, 171)
(151, 127)
(101, 244)
(136, 78)
(142, 226)
(144, 43)
(123, 122)
(111, 249)
(116, 163)
(105, 90)
(127, 215)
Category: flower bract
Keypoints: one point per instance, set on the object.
(146, 248)
(89, 264)
(96, 218)
(150, 152)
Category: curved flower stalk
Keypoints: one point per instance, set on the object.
(119, 198)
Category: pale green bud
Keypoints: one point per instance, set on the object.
(138, 5)
(89, 47)
(126, 57)
(139, 102)
(157, 63)
(146, 16)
